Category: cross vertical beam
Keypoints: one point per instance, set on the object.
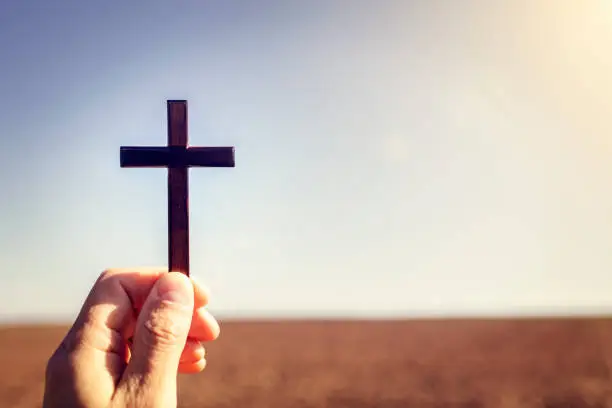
(178, 193)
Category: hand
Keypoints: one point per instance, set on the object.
(96, 366)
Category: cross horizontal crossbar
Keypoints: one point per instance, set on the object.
(176, 156)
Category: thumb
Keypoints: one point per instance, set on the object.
(159, 338)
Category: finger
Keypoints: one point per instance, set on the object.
(204, 326)
(161, 335)
(116, 294)
(192, 352)
(97, 336)
(192, 368)
(201, 293)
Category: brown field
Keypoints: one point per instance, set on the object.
(553, 363)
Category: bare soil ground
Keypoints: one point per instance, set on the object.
(547, 363)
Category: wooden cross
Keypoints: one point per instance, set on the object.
(177, 157)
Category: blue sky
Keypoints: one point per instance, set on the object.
(393, 158)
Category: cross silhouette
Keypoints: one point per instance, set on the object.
(177, 157)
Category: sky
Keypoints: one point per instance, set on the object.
(393, 158)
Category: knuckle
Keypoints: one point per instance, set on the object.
(61, 363)
(166, 326)
(106, 274)
(56, 365)
(158, 334)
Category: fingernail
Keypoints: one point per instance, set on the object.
(172, 289)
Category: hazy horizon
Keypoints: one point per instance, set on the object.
(393, 158)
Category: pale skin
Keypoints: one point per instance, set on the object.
(137, 329)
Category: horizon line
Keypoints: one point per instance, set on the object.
(517, 313)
